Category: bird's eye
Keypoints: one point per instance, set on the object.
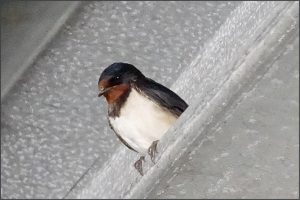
(115, 78)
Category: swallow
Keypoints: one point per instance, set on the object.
(140, 110)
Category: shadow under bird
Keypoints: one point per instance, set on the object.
(140, 110)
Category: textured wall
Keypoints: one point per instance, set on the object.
(26, 28)
(240, 52)
(53, 127)
(254, 152)
(55, 141)
(275, 33)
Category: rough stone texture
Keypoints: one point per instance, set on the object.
(278, 26)
(53, 127)
(260, 30)
(26, 28)
(254, 153)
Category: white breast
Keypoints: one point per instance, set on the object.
(141, 121)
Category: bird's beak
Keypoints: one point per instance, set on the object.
(103, 91)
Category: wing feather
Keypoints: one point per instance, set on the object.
(162, 95)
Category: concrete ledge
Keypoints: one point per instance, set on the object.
(202, 116)
(53, 126)
(239, 53)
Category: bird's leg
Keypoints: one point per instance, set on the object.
(138, 165)
(152, 151)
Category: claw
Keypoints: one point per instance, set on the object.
(138, 165)
(152, 151)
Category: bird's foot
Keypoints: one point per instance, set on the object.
(138, 165)
(152, 151)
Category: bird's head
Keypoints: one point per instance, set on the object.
(115, 80)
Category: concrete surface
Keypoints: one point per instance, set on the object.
(26, 28)
(254, 152)
(271, 27)
(55, 140)
(53, 127)
(240, 52)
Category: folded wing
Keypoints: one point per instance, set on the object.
(162, 95)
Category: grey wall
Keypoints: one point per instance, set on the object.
(26, 28)
(55, 140)
(54, 128)
(270, 30)
(254, 151)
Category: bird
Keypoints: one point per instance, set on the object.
(140, 110)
